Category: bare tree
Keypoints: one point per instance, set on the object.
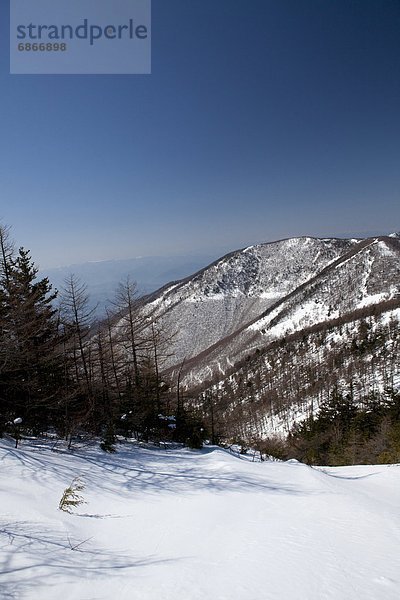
(77, 321)
(7, 252)
(132, 327)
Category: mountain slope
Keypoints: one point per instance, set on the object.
(221, 299)
(367, 274)
(354, 358)
(250, 297)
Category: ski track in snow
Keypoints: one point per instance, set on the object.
(188, 525)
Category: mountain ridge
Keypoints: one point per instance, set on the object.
(234, 292)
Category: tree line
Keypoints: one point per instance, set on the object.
(346, 432)
(63, 371)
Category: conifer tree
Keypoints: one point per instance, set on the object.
(31, 365)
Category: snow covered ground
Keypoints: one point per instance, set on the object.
(183, 525)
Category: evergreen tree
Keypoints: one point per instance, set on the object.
(31, 359)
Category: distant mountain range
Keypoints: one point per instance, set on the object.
(150, 273)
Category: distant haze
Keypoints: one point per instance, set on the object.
(150, 273)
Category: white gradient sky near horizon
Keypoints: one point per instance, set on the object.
(260, 120)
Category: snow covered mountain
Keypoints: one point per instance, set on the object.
(219, 300)
(273, 330)
(368, 274)
(253, 296)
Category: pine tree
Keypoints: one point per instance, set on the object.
(31, 366)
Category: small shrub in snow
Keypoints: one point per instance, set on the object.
(71, 497)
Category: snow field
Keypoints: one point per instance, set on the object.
(188, 525)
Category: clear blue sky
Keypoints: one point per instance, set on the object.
(262, 119)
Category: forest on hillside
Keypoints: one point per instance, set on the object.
(332, 388)
(63, 372)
